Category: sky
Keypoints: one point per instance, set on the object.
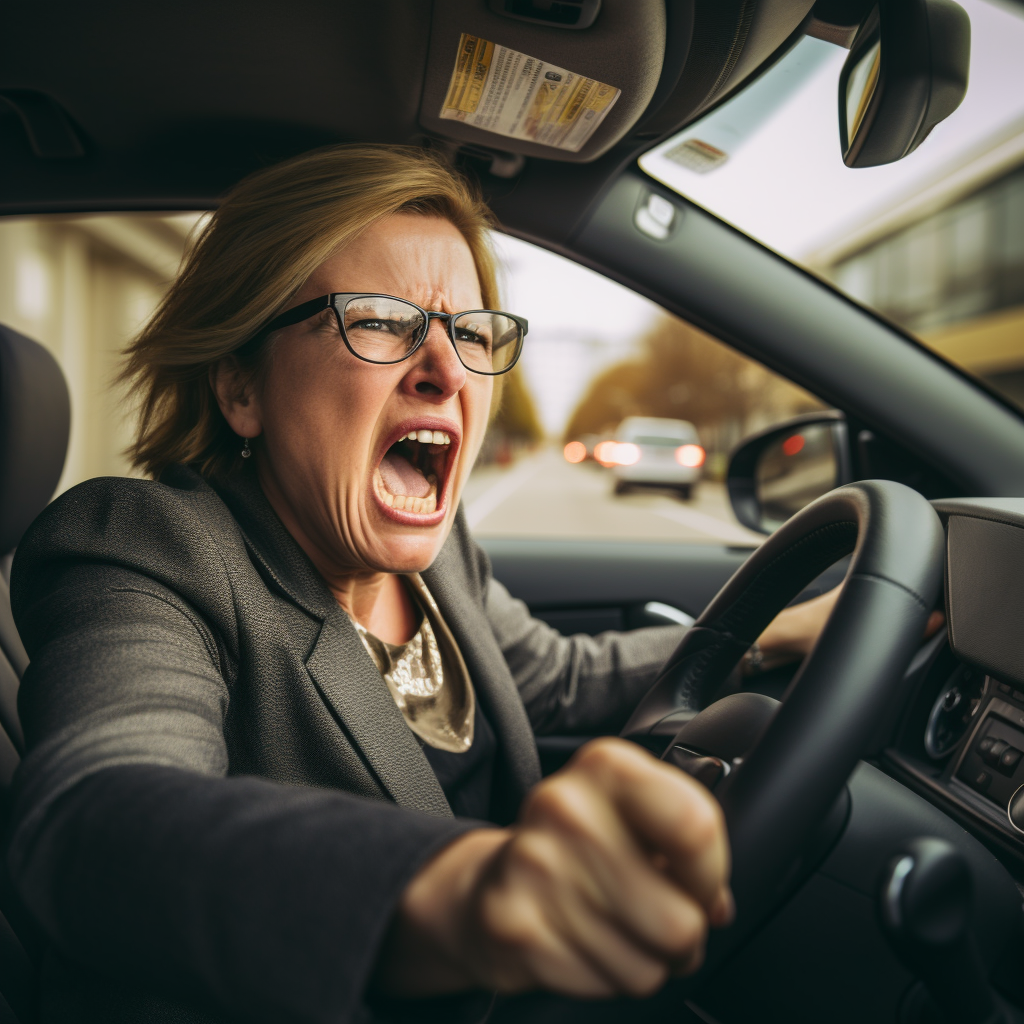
(580, 322)
(785, 182)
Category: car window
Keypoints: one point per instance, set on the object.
(619, 419)
(935, 242)
(616, 424)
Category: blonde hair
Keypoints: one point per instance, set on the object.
(269, 234)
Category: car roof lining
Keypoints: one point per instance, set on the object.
(170, 111)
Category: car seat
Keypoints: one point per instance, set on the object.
(35, 419)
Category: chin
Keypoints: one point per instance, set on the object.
(400, 553)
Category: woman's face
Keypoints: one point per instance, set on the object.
(335, 456)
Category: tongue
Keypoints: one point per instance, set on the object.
(400, 476)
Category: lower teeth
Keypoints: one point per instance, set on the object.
(407, 502)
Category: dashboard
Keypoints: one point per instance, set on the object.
(960, 738)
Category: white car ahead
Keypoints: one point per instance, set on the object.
(651, 451)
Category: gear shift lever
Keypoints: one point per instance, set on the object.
(925, 902)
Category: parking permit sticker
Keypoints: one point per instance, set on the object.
(697, 155)
(506, 92)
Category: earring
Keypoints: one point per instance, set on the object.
(246, 450)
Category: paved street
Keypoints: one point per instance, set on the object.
(542, 495)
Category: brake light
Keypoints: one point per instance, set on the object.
(575, 451)
(793, 445)
(626, 454)
(603, 453)
(690, 455)
(616, 453)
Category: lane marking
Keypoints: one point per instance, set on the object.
(704, 523)
(481, 507)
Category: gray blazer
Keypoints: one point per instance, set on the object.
(221, 803)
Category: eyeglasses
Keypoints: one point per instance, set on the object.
(385, 329)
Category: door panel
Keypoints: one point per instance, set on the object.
(601, 585)
(590, 586)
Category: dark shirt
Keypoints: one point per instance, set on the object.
(467, 778)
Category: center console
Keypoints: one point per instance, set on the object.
(964, 739)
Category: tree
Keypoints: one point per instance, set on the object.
(517, 417)
(514, 425)
(683, 373)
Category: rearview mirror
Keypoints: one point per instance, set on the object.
(774, 474)
(906, 72)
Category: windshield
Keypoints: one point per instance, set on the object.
(935, 241)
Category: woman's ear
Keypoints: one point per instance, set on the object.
(236, 396)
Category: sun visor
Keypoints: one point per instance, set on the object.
(517, 87)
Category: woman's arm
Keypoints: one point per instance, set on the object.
(576, 684)
(144, 862)
(794, 631)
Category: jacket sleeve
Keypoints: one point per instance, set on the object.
(579, 684)
(137, 853)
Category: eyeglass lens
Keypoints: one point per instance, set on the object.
(385, 330)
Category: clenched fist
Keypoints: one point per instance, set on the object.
(605, 886)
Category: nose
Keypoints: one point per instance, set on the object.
(436, 371)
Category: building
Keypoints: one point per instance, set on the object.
(948, 264)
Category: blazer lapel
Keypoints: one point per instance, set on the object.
(493, 681)
(342, 671)
(352, 687)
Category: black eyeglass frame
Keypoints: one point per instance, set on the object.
(305, 310)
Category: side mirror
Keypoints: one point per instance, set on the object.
(772, 475)
(906, 72)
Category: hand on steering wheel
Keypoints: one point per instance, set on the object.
(605, 886)
(792, 634)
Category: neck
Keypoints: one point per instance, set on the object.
(380, 602)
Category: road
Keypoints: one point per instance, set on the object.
(542, 495)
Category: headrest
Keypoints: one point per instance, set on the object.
(35, 420)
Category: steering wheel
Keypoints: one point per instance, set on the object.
(781, 767)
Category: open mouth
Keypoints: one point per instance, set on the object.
(412, 475)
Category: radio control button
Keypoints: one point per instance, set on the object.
(993, 753)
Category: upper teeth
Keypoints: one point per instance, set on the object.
(428, 437)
